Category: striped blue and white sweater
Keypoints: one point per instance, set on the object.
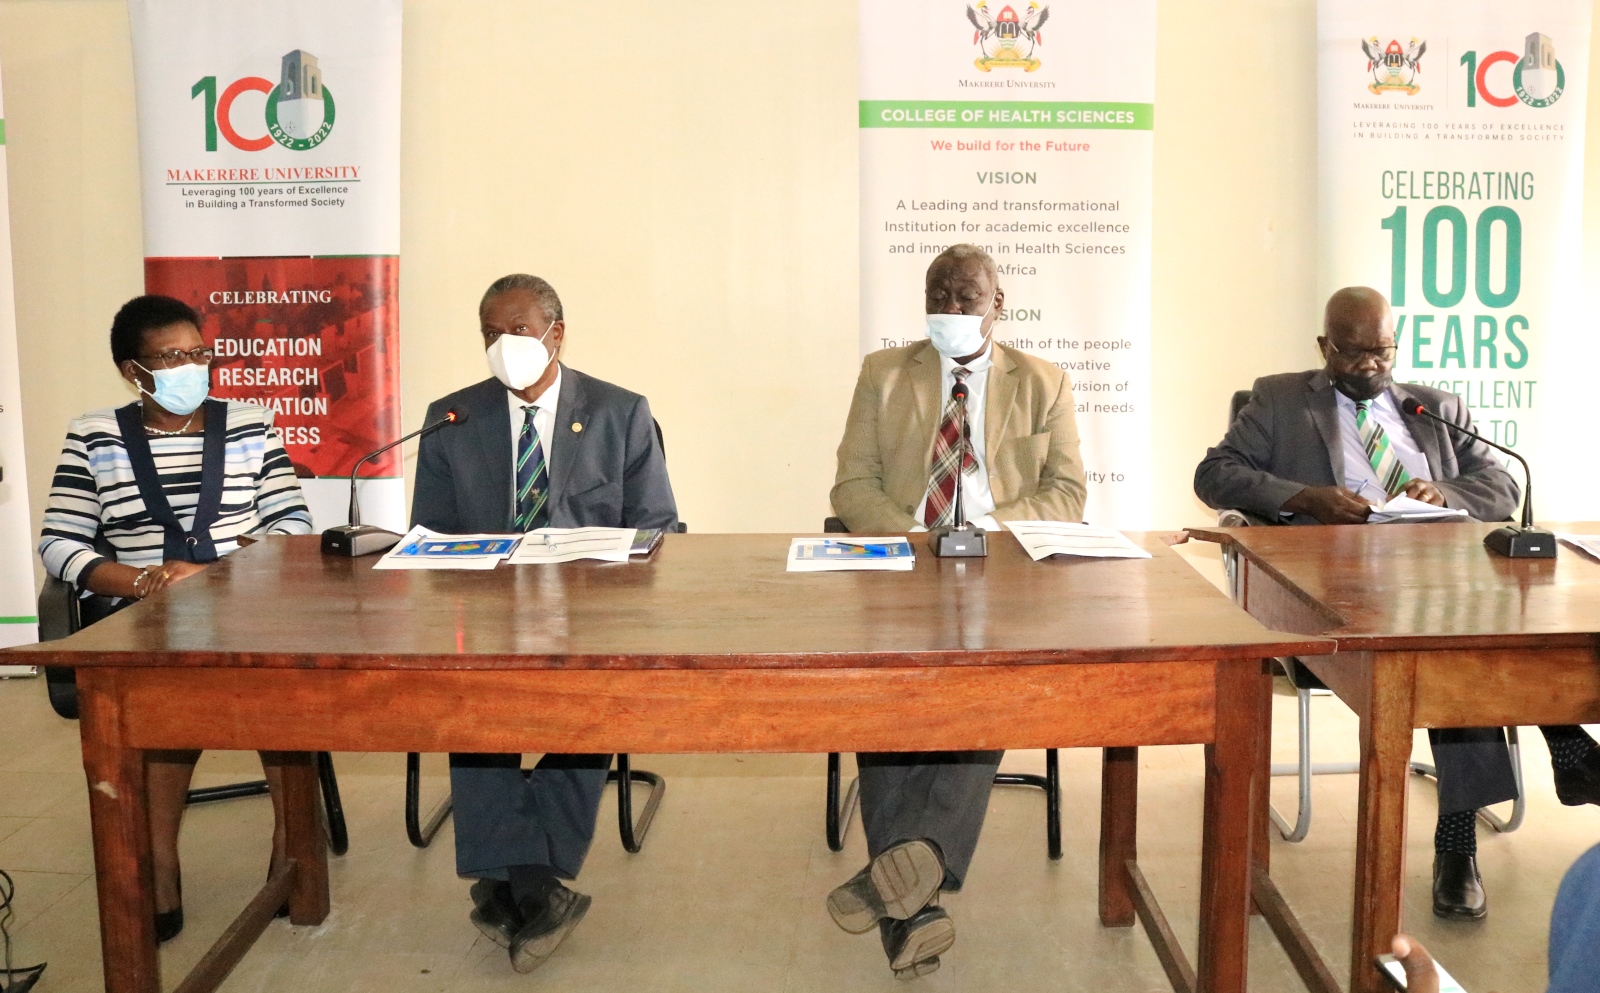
(95, 492)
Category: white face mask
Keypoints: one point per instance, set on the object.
(957, 335)
(518, 360)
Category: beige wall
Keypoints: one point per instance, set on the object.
(691, 190)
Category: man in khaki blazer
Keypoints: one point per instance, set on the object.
(923, 811)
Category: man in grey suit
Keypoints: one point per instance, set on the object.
(1325, 447)
(542, 446)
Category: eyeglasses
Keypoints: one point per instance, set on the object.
(177, 357)
(1384, 354)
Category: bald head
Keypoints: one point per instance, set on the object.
(1357, 342)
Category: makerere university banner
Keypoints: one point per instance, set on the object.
(18, 623)
(1451, 156)
(1024, 128)
(269, 147)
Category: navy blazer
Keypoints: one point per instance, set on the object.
(607, 468)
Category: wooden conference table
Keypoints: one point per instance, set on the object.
(1433, 632)
(709, 646)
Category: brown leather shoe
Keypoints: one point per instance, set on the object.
(1457, 887)
(896, 884)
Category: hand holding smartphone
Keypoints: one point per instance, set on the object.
(1395, 973)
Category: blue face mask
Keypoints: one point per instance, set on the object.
(181, 390)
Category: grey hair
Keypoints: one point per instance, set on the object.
(549, 302)
(958, 254)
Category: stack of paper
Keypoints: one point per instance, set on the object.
(424, 549)
(547, 546)
(1041, 539)
(1405, 509)
(850, 554)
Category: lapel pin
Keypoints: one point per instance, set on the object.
(576, 427)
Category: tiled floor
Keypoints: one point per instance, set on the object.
(728, 892)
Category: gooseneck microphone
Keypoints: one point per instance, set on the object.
(961, 540)
(356, 539)
(1513, 541)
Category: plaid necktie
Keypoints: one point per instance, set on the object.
(1392, 476)
(533, 478)
(940, 509)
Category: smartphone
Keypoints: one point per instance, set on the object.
(1395, 973)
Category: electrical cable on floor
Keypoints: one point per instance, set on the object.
(13, 980)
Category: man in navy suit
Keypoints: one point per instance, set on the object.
(542, 446)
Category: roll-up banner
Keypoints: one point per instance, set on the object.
(1024, 128)
(269, 148)
(18, 623)
(1451, 179)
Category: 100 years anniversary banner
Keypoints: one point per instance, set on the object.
(269, 145)
(1451, 150)
(1024, 128)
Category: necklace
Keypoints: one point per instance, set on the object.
(170, 434)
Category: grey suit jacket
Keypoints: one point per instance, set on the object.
(1287, 438)
(609, 472)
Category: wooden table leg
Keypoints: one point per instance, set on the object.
(1227, 847)
(121, 826)
(1381, 816)
(1261, 848)
(1119, 834)
(307, 845)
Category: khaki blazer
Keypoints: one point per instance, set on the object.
(1030, 439)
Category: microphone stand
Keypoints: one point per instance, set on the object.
(962, 540)
(1522, 541)
(356, 539)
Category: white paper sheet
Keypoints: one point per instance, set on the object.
(1402, 508)
(1588, 544)
(547, 546)
(1042, 539)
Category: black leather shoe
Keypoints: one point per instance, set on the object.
(494, 912)
(546, 926)
(914, 945)
(169, 924)
(896, 884)
(1457, 887)
(1576, 787)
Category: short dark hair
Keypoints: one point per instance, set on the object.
(542, 291)
(142, 315)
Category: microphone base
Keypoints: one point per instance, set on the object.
(1521, 543)
(356, 540)
(966, 542)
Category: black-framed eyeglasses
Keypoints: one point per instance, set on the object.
(1384, 354)
(177, 357)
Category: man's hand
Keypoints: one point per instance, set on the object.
(1421, 976)
(1421, 489)
(1330, 505)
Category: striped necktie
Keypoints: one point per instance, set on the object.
(940, 509)
(1392, 476)
(533, 477)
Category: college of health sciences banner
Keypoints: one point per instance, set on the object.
(1451, 150)
(1024, 128)
(18, 623)
(269, 145)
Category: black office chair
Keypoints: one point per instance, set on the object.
(632, 831)
(61, 614)
(1306, 683)
(840, 812)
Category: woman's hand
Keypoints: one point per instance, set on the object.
(177, 570)
(114, 579)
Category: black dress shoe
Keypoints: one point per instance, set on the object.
(914, 945)
(494, 912)
(896, 884)
(1457, 887)
(1576, 787)
(545, 926)
(169, 924)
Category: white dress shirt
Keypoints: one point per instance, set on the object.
(1359, 476)
(544, 422)
(977, 499)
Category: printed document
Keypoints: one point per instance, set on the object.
(424, 549)
(1042, 539)
(851, 554)
(547, 546)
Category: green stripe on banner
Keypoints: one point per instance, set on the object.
(2, 131)
(1006, 114)
(19, 620)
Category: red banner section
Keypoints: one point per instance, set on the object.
(315, 339)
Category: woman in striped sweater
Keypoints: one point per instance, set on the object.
(146, 495)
